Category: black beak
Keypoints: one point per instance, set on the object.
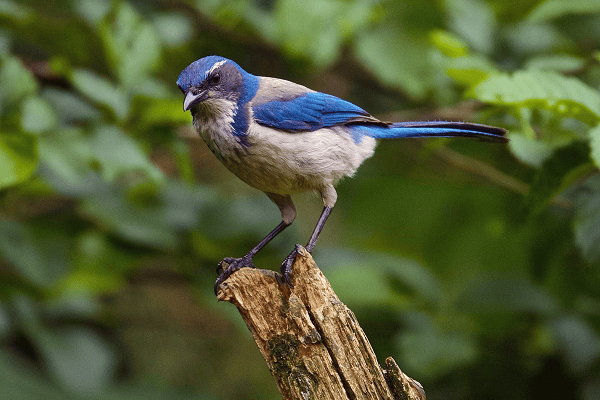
(191, 99)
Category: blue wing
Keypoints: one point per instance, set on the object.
(308, 112)
(295, 109)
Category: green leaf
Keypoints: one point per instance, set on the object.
(69, 107)
(431, 353)
(396, 57)
(587, 220)
(5, 322)
(470, 69)
(100, 90)
(505, 295)
(473, 20)
(92, 11)
(117, 154)
(37, 116)
(40, 253)
(67, 153)
(15, 11)
(411, 275)
(556, 62)
(349, 281)
(18, 158)
(79, 359)
(557, 8)
(531, 151)
(174, 29)
(449, 44)
(564, 96)
(408, 278)
(21, 383)
(595, 144)
(16, 82)
(165, 111)
(558, 172)
(76, 357)
(318, 31)
(132, 46)
(578, 341)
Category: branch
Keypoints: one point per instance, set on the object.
(312, 343)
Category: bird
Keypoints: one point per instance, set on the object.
(283, 138)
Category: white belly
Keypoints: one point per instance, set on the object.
(286, 163)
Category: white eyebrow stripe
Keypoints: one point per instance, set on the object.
(215, 66)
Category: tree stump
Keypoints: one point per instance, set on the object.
(311, 341)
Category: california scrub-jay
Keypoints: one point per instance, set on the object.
(283, 138)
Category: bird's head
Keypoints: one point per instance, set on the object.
(212, 77)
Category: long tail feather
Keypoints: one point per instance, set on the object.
(439, 129)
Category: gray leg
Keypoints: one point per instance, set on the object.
(288, 214)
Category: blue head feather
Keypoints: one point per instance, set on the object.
(197, 72)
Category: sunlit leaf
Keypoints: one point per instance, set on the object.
(564, 96)
(165, 111)
(470, 69)
(18, 158)
(449, 44)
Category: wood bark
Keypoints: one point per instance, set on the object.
(311, 341)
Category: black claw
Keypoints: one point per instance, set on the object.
(286, 267)
(231, 265)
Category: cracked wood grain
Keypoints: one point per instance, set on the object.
(311, 341)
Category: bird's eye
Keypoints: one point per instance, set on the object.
(215, 79)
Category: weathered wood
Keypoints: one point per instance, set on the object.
(310, 340)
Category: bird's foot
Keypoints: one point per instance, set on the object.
(229, 265)
(286, 267)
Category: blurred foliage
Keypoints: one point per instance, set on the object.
(475, 266)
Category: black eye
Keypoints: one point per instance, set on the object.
(215, 79)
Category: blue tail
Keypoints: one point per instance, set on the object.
(433, 129)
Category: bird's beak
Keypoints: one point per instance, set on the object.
(192, 99)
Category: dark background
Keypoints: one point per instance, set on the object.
(474, 265)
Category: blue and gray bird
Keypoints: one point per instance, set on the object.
(283, 138)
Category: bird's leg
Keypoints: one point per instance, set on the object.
(288, 214)
(286, 266)
(233, 264)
